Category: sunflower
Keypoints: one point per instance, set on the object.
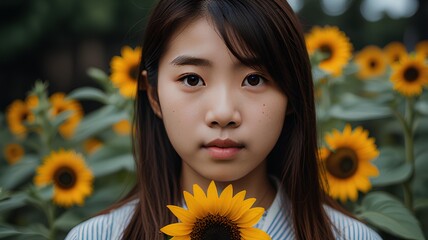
(19, 113)
(394, 51)
(71, 178)
(60, 104)
(13, 152)
(123, 127)
(347, 164)
(91, 145)
(124, 70)
(409, 76)
(371, 61)
(334, 44)
(421, 49)
(216, 217)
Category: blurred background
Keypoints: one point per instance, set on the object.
(58, 40)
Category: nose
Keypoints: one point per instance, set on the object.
(223, 111)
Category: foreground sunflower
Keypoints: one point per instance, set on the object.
(394, 51)
(71, 178)
(13, 152)
(61, 104)
(346, 163)
(124, 70)
(19, 114)
(409, 76)
(371, 61)
(216, 217)
(334, 44)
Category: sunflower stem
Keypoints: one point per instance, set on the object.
(409, 148)
(325, 100)
(50, 214)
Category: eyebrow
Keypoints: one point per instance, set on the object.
(189, 60)
(184, 60)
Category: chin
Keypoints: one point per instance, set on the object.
(223, 176)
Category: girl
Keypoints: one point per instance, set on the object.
(226, 94)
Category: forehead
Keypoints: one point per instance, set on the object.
(201, 37)
(194, 36)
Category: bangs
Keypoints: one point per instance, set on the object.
(245, 35)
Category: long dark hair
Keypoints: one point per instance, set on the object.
(269, 31)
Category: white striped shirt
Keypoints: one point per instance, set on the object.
(276, 222)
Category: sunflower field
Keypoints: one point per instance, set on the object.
(60, 166)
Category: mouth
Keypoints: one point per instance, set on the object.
(223, 149)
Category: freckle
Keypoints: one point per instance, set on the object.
(264, 105)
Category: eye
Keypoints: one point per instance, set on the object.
(192, 80)
(253, 80)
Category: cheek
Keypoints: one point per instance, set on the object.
(268, 121)
(179, 114)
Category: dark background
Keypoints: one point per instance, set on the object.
(58, 40)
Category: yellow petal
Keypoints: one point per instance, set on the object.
(254, 234)
(236, 203)
(194, 206)
(184, 215)
(212, 197)
(225, 200)
(177, 229)
(245, 206)
(251, 217)
(181, 238)
(198, 193)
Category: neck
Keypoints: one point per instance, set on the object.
(256, 184)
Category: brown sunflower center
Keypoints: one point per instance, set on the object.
(326, 49)
(133, 72)
(343, 163)
(372, 64)
(396, 58)
(65, 178)
(14, 151)
(215, 227)
(24, 116)
(411, 74)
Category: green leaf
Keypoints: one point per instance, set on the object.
(98, 74)
(88, 93)
(16, 174)
(392, 167)
(420, 180)
(4, 194)
(61, 118)
(360, 112)
(421, 203)
(387, 213)
(318, 74)
(98, 121)
(102, 78)
(14, 201)
(350, 68)
(422, 107)
(106, 194)
(33, 232)
(377, 86)
(111, 165)
(67, 220)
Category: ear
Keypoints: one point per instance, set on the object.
(151, 94)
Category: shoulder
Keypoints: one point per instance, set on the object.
(347, 228)
(106, 226)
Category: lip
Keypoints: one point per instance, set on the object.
(223, 149)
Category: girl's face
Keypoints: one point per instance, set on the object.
(222, 117)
